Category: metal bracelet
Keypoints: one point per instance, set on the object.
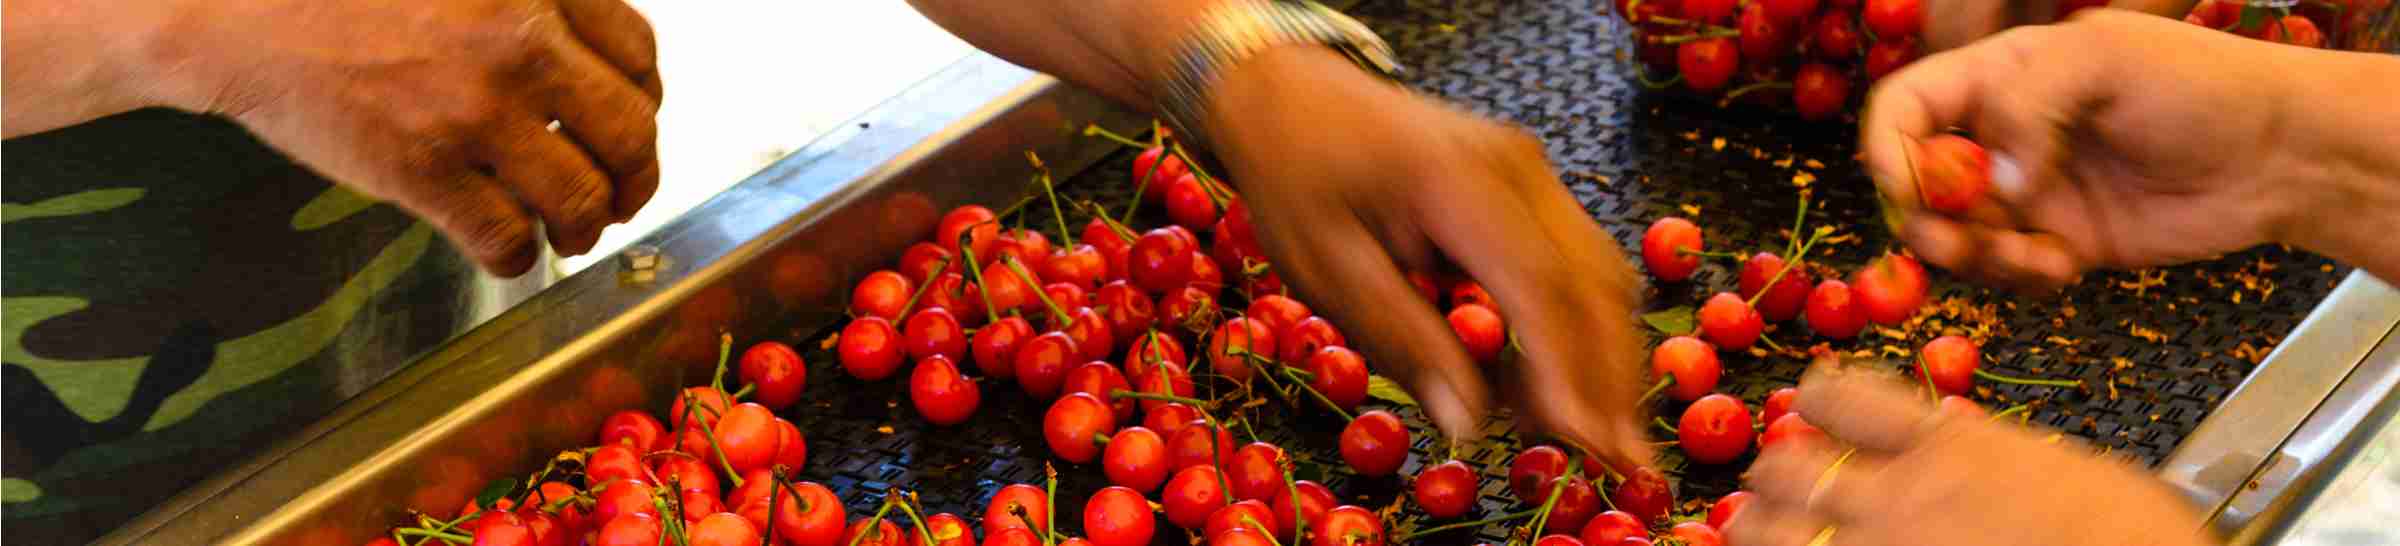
(1233, 31)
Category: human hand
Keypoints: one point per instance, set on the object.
(1353, 181)
(1911, 474)
(1955, 23)
(440, 107)
(2170, 146)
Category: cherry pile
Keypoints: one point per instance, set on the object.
(1813, 55)
(2305, 24)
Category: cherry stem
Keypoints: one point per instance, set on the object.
(1788, 264)
(1747, 89)
(939, 264)
(1055, 212)
(1056, 312)
(1049, 503)
(691, 403)
(1709, 34)
(2013, 410)
(1269, 532)
(2025, 381)
(1195, 403)
(1466, 524)
(907, 507)
(1707, 254)
(1558, 487)
(745, 392)
(1208, 182)
(1014, 207)
(1100, 212)
(1771, 345)
(1321, 398)
(982, 289)
(775, 502)
(1661, 422)
(1292, 487)
(1093, 129)
(1926, 374)
(1792, 244)
(1260, 363)
(1661, 385)
(453, 538)
(1644, 76)
(874, 524)
(724, 351)
(1101, 440)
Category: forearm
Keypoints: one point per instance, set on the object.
(64, 62)
(1111, 46)
(2344, 129)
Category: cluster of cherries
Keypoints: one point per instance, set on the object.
(2305, 24)
(1805, 52)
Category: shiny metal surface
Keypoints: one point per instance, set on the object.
(772, 252)
(2359, 499)
(2317, 490)
(2268, 431)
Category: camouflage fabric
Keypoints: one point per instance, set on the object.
(178, 295)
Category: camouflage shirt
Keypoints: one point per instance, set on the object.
(179, 295)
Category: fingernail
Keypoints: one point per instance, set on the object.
(2008, 178)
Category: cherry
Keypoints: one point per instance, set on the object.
(777, 373)
(935, 332)
(1172, 381)
(1834, 37)
(1558, 540)
(1006, 291)
(1278, 313)
(1232, 340)
(995, 346)
(1012, 537)
(1481, 330)
(631, 530)
(1424, 284)
(1530, 473)
(1790, 425)
(747, 436)
(1189, 204)
(1128, 310)
(1707, 11)
(1118, 516)
(1149, 349)
(1080, 265)
(712, 404)
(1185, 307)
(633, 429)
(1728, 506)
(1762, 38)
(1784, 12)
(1887, 56)
(1160, 261)
(547, 529)
(1349, 526)
(1017, 506)
(1695, 533)
(1820, 90)
(616, 498)
(1192, 445)
(962, 220)
(1256, 471)
(1707, 64)
(1469, 292)
(1668, 245)
(1693, 364)
(1577, 504)
(1783, 301)
(1074, 542)
(1204, 274)
(1729, 322)
(873, 532)
(1340, 374)
(940, 393)
(1778, 403)
(812, 518)
(1104, 238)
(1306, 337)
(1090, 332)
(1192, 495)
(881, 294)
(1267, 283)
(2294, 30)
(1953, 173)
(1613, 527)
(1656, 54)
(1894, 19)
(1229, 518)
(1833, 312)
(950, 292)
(1715, 429)
(946, 530)
(1375, 443)
(1168, 418)
(869, 349)
(1169, 168)
(722, 529)
(1314, 500)
(1446, 490)
(1951, 362)
(502, 529)
(1239, 537)
(1072, 422)
(1042, 363)
(1644, 494)
(1135, 457)
(1033, 246)
(1891, 289)
(1101, 380)
(689, 474)
(1961, 406)
(571, 516)
(921, 263)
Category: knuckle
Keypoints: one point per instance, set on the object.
(494, 236)
(587, 199)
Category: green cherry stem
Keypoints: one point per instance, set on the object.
(1661, 422)
(2012, 410)
(1707, 254)
(1195, 403)
(724, 351)
(1710, 34)
(2026, 381)
(1093, 129)
(907, 507)
(453, 538)
(1404, 539)
(690, 403)
(1057, 312)
(1788, 264)
(1926, 375)
(874, 524)
(982, 289)
(938, 265)
(1056, 213)
(1322, 399)
(1791, 244)
(1655, 388)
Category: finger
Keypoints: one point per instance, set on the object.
(609, 117)
(1869, 410)
(478, 216)
(1818, 479)
(2015, 92)
(2013, 259)
(1336, 262)
(1761, 525)
(1602, 292)
(618, 33)
(558, 180)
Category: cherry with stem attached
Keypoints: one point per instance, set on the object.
(1056, 312)
(1064, 235)
(1412, 535)
(982, 288)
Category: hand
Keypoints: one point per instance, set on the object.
(1956, 23)
(2167, 146)
(1353, 180)
(439, 106)
(1922, 477)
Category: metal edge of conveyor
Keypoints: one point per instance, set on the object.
(2279, 424)
(2309, 507)
(297, 490)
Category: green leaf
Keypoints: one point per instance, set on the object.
(1674, 321)
(2252, 16)
(1383, 388)
(499, 489)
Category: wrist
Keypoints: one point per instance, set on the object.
(1253, 101)
(2338, 146)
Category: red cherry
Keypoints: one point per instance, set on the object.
(1530, 473)
(1067, 295)
(1093, 340)
(1033, 246)
(1762, 39)
(1192, 495)
(1249, 518)
(1790, 425)
(1168, 418)
(1101, 380)
(2295, 30)
(960, 221)
(1191, 445)
(1233, 339)
(633, 429)
(1118, 516)
(712, 404)
(792, 450)
(1424, 284)
(1072, 422)
(1469, 292)
(1783, 12)
(1695, 533)
(1340, 374)
(1891, 289)
(1707, 11)
(1375, 443)
(1081, 265)
(1960, 406)
(935, 332)
(875, 532)
(1708, 63)
(1558, 540)
(1715, 429)
(1189, 205)
(1172, 381)
(1446, 490)
(1953, 173)
(747, 436)
(1102, 237)
(1189, 240)
(1577, 503)
(687, 474)
(1887, 56)
(1237, 220)
(1012, 537)
(1160, 261)
(1951, 362)
(1693, 364)
(1129, 311)
(1149, 349)
(946, 530)
(940, 393)
(1833, 37)
(631, 530)
(1348, 526)
(777, 373)
(1894, 19)
(1017, 506)
(500, 528)
(1644, 493)
(1729, 322)
(1278, 313)
(881, 294)
(1613, 527)
(1154, 183)
(1185, 308)
(1725, 508)
(1314, 501)
(922, 262)
(1783, 301)
(950, 292)
(1820, 90)
(617, 498)
(722, 529)
(1664, 244)
(1256, 471)
(995, 346)
(1305, 338)
(1265, 284)
(1204, 274)
(1006, 291)
(1832, 311)
(1135, 457)
(1481, 330)
(1778, 403)
(1042, 364)
(869, 349)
